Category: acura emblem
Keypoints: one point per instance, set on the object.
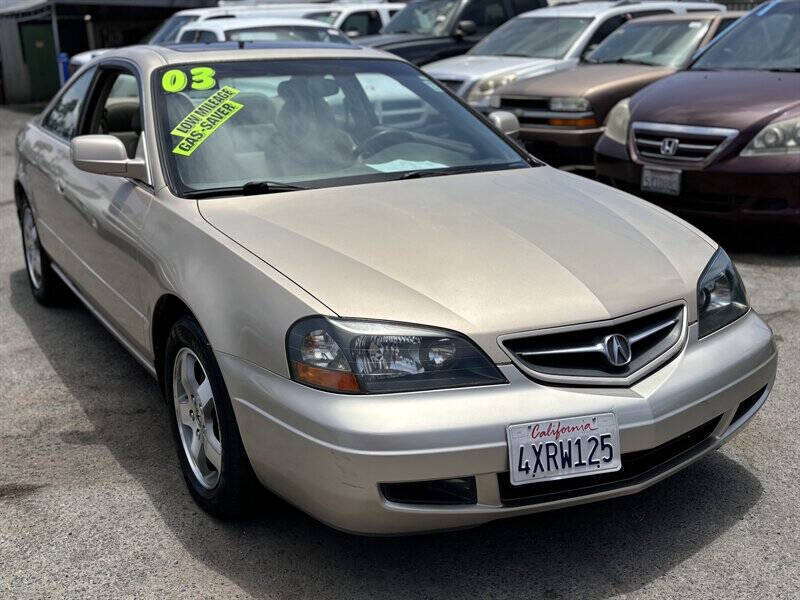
(669, 146)
(617, 350)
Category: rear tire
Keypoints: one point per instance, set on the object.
(47, 288)
(212, 457)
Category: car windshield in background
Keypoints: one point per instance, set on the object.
(765, 39)
(668, 43)
(168, 32)
(536, 37)
(314, 123)
(427, 18)
(290, 33)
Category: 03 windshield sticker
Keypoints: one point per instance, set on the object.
(200, 124)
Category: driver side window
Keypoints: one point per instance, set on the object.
(63, 118)
(487, 15)
(117, 109)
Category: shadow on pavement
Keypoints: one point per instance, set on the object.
(587, 552)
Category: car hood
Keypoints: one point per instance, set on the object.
(735, 99)
(602, 85)
(387, 39)
(483, 254)
(476, 66)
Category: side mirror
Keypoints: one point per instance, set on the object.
(106, 155)
(589, 49)
(506, 122)
(466, 28)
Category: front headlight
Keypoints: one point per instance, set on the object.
(617, 122)
(721, 296)
(368, 357)
(569, 104)
(481, 92)
(780, 137)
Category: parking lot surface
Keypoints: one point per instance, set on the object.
(92, 503)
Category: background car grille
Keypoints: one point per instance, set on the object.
(576, 355)
(696, 146)
(538, 104)
(452, 84)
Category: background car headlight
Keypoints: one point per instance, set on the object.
(569, 104)
(721, 296)
(481, 92)
(617, 122)
(364, 357)
(779, 137)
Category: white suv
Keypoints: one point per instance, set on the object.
(541, 41)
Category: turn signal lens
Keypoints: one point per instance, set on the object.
(585, 122)
(335, 381)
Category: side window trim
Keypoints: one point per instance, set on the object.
(54, 104)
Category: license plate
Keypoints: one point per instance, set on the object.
(662, 181)
(563, 448)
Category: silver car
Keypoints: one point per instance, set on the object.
(395, 329)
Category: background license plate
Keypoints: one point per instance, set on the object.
(562, 448)
(661, 180)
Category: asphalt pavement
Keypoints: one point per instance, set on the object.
(92, 504)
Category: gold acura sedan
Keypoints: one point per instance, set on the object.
(359, 293)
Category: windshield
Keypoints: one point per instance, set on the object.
(429, 18)
(765, 39)
(314, 123)
(668, 43)
(292, 33)
(168, 32)
(536, 37)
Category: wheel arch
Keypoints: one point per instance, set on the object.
(168, 309)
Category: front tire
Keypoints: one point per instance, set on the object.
(210, 450)
(46, 287)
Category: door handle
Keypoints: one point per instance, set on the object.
(60, 186)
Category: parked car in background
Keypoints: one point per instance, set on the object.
(397, 329)
(561, 114)
(261, 29)
(167, 32)
(428, 30)
(538, 42)
(355, 19)
(721, 139)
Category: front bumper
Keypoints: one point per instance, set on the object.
(560, 146)
(734, 189)
(328, 453)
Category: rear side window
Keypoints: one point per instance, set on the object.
(487, 15)
(521, 6)
(63, 119)
(205, 37)
(366, 22)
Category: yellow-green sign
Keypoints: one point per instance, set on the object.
(200, 124)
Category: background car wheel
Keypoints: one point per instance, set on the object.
(46, 286)
(212, 458)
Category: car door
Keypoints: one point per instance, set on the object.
(47, 148)
(105, 213)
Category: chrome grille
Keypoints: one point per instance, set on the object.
(582, 354)
(678, 145)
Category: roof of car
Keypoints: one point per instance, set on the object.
(251, 22)
(152, 57)
(593, 9)
(693, 16)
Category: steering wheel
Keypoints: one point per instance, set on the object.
(380, 140)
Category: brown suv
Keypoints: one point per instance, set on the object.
(721, 139)
(561, 113)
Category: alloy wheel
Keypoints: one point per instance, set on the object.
(33, 252)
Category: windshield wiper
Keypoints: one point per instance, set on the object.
(514, 54)
(250, 188)
(453, 171)
(627, 61)
(784, 70)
